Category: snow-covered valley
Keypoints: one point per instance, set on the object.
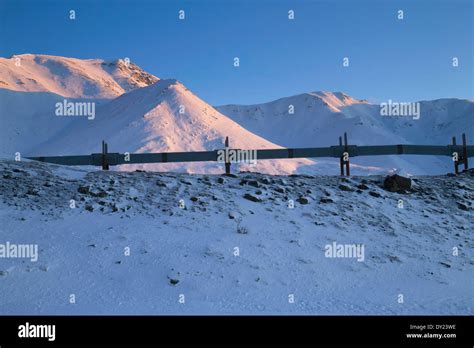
(166, 243)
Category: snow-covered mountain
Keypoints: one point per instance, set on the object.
(70, 77)
(319, 118)
(162, 117)
(138, 112)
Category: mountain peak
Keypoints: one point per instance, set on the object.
(72, 77)
(335, 97)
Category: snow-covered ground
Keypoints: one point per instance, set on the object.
(191, 249)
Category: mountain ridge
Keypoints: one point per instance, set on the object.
(127, 96)
(72, 77)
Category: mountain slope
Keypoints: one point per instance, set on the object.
(163, 117)
(319, 118)
(27, 119)
(70, 77)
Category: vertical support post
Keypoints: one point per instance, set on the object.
(227, 164)
(346, 149)
(105, 165)
(456, 162)
(341, 160)
(464, 151)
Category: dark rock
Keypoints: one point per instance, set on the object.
(303, 200)
(194, 199)
(463, 206)
(375, 194)
(100, 194)
(32, 192)
(89, 207)
(345, 188)
(393, 258)
(326, 200)
(174, 281)
(280, 189)
(84, 190)
(231, 175)
(397, 183)
(362, 187)
(254, 183)
(252, 198)
(220, 180)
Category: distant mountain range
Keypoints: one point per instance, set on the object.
(137, 112)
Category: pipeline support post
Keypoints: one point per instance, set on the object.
(227, 164)
(346, 160)
(464, 151)
(341, 159)
(105, 164)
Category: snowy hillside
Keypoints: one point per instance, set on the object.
(70, 77)
(27, 119)
(164, 117)
(234, 246)
(137, 112)
(319, 118)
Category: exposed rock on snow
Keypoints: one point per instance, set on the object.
(397, 183)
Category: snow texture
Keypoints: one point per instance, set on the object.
(190, 250)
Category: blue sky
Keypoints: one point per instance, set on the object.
(402, 60)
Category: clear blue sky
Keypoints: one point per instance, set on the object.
(389, 59)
